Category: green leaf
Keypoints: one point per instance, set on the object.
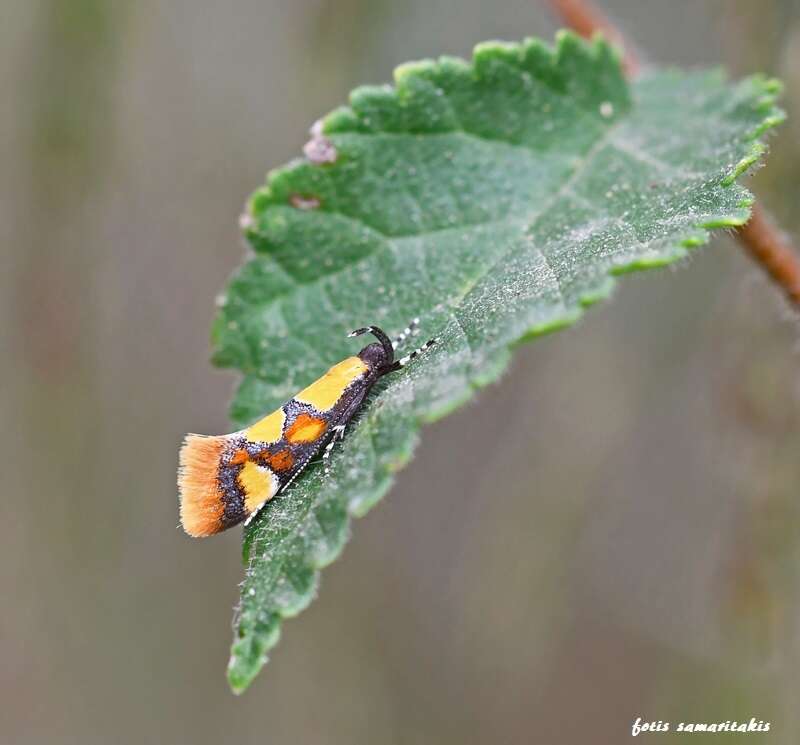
(495, 200)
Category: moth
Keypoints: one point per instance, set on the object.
(224, 480)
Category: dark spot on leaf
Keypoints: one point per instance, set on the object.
(303, 202)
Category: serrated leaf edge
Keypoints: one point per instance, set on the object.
(239, 680)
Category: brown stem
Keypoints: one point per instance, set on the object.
(765, 243)
(770, 247)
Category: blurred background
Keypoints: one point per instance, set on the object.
(630, 548)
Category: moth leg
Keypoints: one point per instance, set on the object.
(338, 434)
(409, 330)
(403, 361)
(339, 428)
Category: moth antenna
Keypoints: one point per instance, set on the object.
(409, 330)
(403, 361)
(380, 335)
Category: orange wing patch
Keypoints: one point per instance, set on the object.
(305, 428)
(283, 460)
(239, 457)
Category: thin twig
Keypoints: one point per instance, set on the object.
(766, 243)
(771, 248)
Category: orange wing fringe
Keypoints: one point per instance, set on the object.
(200, 496)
